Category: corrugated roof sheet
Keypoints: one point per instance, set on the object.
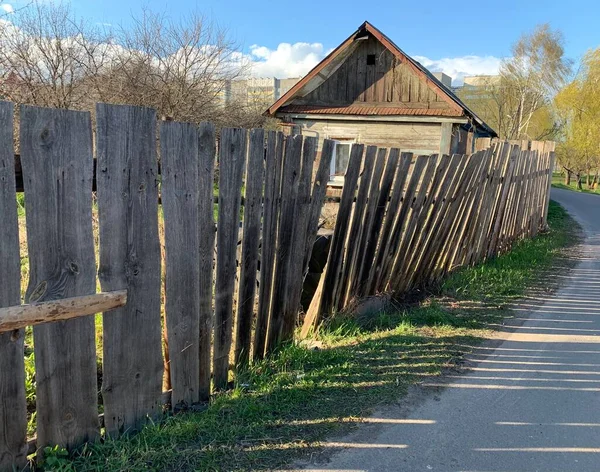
(368, 110)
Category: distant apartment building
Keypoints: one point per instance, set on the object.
(444, 79)
(257, 90)
(478, 87)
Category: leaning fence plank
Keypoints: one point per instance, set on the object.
(301, 222)
(357, 226)
(355, 286)
(380, 210)
(180, 193)
(127, 182)
(289, 191)
(13, 425)
(548, 186)
(206, 240)
(232, 157)
(273, 162)
(331, 275)
(56, 155)
(390, 218)
(249, 260)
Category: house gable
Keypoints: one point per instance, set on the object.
(371, 75)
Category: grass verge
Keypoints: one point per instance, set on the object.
(559, 179)
(285, 405)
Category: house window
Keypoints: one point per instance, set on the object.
(339, 162)
(370, 59)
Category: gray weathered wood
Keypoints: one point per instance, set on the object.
(180, 202)
(232, 158)
(356, 227)
(285, 237)
(369, 262)
(335, 260)
(390, 218)
(20, 316)
(127, 181)
(255, 175)
(368, 218)
(56, 155)
(301, 232)
(13, 413)
(273, 164)
(206, 240)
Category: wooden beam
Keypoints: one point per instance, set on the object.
(17, 317)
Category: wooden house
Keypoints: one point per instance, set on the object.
(369, 91)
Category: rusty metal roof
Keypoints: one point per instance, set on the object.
(367, 110)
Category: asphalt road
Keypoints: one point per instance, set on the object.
(530, 404)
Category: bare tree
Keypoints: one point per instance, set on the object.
(47, 55)
(181, 68)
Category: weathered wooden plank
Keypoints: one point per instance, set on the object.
(418, 226)
(391, 216)
(369, 216)
(232, 158)
(206, 241)
(299, 241)
(434, 236)
(285, 235)
(129, 259)
(317, 198)
(417, 208)
(500, 215)
(430, 220)
(400, 223)
(368, 259)
(357, 226)
(20, 316)
(56, 155)
(273, 168)
(180, 198)
(255, 175)
(13, 413)
(552, 160)
(327, 301)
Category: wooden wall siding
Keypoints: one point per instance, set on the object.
(388, 81)
(13, 426)
(403, 222)
(455, 211)
(418, 138)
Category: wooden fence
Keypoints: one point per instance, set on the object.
(405, 222)
(232, 288)
(207, 318)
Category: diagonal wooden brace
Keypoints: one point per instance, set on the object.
(17, 317)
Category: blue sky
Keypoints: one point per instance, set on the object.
(460, 37)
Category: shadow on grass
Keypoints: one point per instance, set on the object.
(284, 404)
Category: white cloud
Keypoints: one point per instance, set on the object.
(295, 60)
(7, 8)
(459, 67)
(288, 60)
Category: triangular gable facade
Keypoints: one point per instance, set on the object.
(369, 75)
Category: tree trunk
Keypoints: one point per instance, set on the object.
(567, 178)
(579, 183)
(588, 178)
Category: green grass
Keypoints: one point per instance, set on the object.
(558, 181)
(282, 407)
